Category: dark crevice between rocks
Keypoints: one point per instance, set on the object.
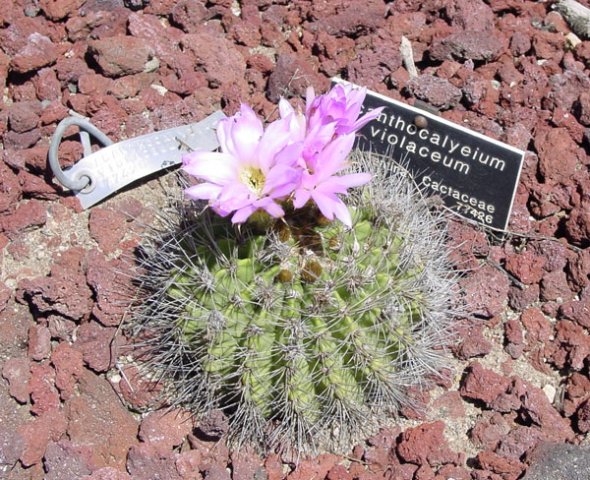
(17, 79)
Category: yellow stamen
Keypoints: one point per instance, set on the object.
(254, 179)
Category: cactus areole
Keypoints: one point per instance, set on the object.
(306, 323)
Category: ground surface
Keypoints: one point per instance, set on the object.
(71, 406)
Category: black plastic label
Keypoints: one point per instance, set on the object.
(476, 176)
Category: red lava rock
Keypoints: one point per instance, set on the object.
(38, 432)
(60, 327)
(24, 116)
(521, 298)
(317, 467)
(489, 430)
(565, 89)
(438, 92)
(449, 405)
(273, 467)
(37, 187)
(220, 61)
(151, 461)
(469, 45)
(38, 52)
(39, 342)
(446, 472)
(471, 343)
(380, 453)
(294, 74)
(483, 384)
(137, 390)
(470, 15)
(246, 464)
(583, 417)
(212, 452)
(554, 287)
(537, 409)
(519, 442)
(47, 87)
(188, 463)
(338, 472)
(17, 372)
(424, 472)
(214, 425)
(574, 344)
(558, 154)
(514, 338)
(526, 266)
(26, 216)
(583, 108)
(538, 328)
(508, 469)
(342, 18)
(112, 295)
(578, 270)
(166, 429)
(122, 55)
(14, 140)
(216, 472)
(59, 9)
(109, 473)
(190, 14)
(577, 392)
(577, 311)
(10, 191)
(68, 364)
(64, 460)
(486, 291)
(94, 341)
(426, 444)
(64, 292)
(43, 392)
(578, 224)
(91, 416)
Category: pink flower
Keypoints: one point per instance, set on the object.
(255, 169)
(323, 185)
(297, 156)
(333, 114)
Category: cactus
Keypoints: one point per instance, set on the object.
(304, 332)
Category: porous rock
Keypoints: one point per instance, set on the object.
(38, 432)
(122, 55)
(166, 428)
(69, 367)
(469, 45)
(64, 292)
(485, 291)
(91, 416)
(152, 461)
(65, 460)
(17, 372)
(426, 444)
(438, 92)
(38, 52)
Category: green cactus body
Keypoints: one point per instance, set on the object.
(308, 327)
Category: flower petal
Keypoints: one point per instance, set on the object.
(245, 134)
(214, 167)
(243, 213)
(366, 118)
(203, 191)
(301, 197)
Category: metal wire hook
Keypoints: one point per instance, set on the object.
(86, 128)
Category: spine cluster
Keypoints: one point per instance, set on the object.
(306, 333)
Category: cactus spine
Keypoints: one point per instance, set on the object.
(304, 332)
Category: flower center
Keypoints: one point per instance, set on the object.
(254, 179)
